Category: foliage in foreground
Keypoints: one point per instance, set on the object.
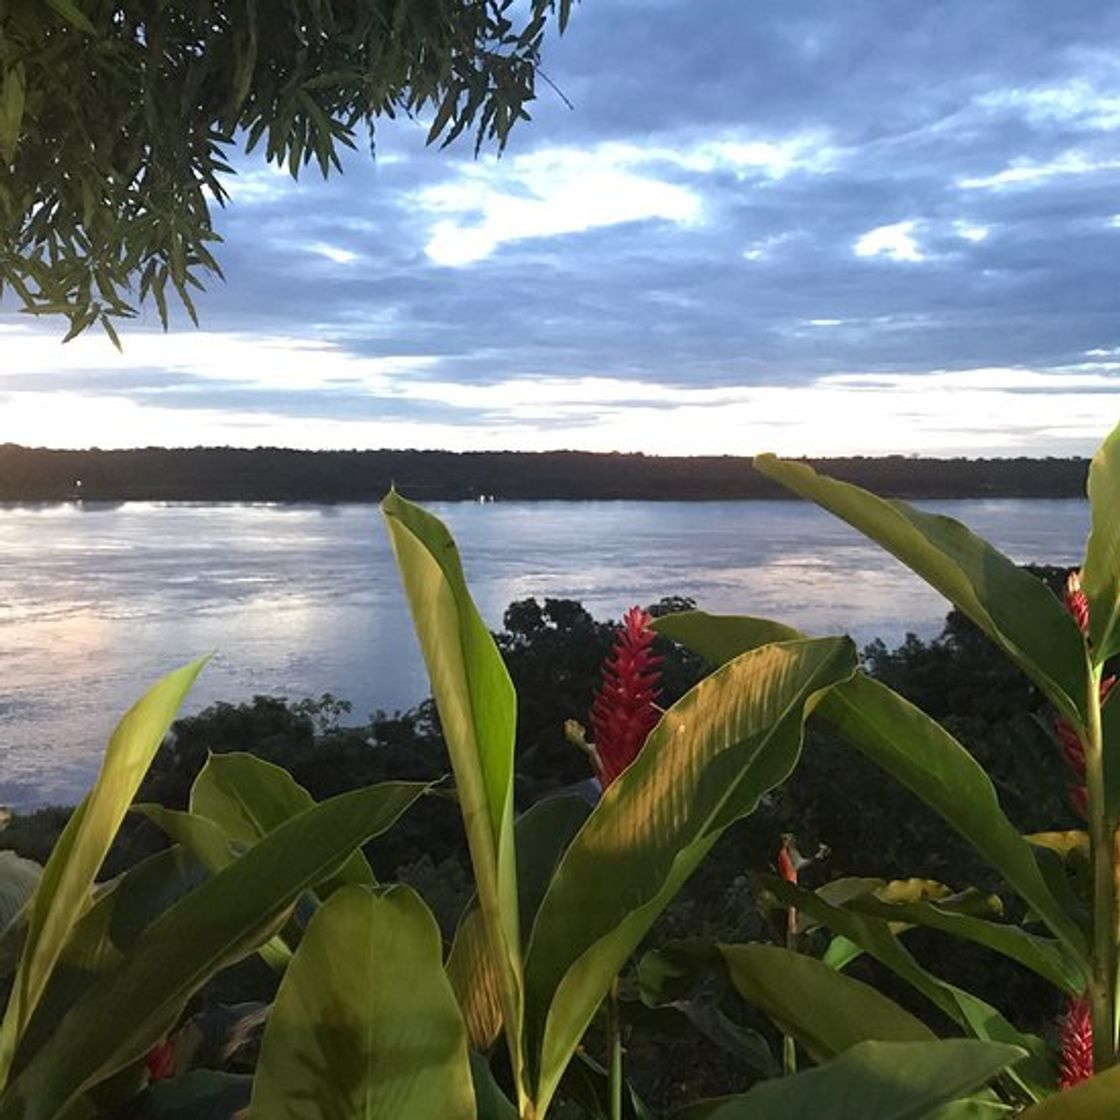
(117, 119)
(566, 893)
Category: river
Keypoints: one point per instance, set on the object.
(97, 602)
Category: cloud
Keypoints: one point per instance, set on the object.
(743, 205)
(895, 242)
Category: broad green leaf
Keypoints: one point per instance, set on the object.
(201, 1094)
(728, 741)
(1042, 955)
(104, 935)
(474, 980)
(198, 835)
(871, 1081)
(543, 834)
(972, 1014)
(365, 1023)
(1100, 575)
(824, 1010)
(721, 637)
(491, 1103)
(248, 797)
(918, 752)
(221, 921)
(478, 711)
(1016, 610)
(1098, 1098)
(63, 891)
(18, 879)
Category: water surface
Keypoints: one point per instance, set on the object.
(97, 602)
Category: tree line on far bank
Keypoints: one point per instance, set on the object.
(285, 475)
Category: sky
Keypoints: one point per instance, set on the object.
(788, 225)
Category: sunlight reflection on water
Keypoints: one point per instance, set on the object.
(96, 603)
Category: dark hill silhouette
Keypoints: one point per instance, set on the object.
(277, 474)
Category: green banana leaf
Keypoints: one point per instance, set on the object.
(1098, 1098)
(824, 1010)
(1016, 610)
(918, 752)
(474, 979)
(972, 1014)
(478, 712)
(871, 1081)
(212, 849)
(64, 889)
(18, 879)
(105, 934)
(198, 835)
(1042, 955)
(248, 797)
(365, 1023)
(202, 1094)
(711, 757)
(221, 921)
(1100, 574)
(541, 834)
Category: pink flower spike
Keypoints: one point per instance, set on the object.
(625, 710)
(1076, 1063)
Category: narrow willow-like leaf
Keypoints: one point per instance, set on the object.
(918, 752)
(1016, 610)
(1100, 575)
(732, 738)
(825, 1011)
(63, 891)
(871, 1081)
(365, 1024)
(221, 921)
(248, 797)
(478, 711)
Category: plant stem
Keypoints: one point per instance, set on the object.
(1102, 986)
(614, 1044)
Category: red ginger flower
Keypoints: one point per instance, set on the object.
(1077, 1044)
(624, 710)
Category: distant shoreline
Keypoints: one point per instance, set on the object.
(324, 477)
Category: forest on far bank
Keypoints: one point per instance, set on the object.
(225, 474)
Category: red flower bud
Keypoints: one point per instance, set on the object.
(1077, 603)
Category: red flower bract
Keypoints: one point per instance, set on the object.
(625, 708)
(161, 1061)
(1077, 1044)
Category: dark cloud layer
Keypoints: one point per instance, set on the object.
(745, 198)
